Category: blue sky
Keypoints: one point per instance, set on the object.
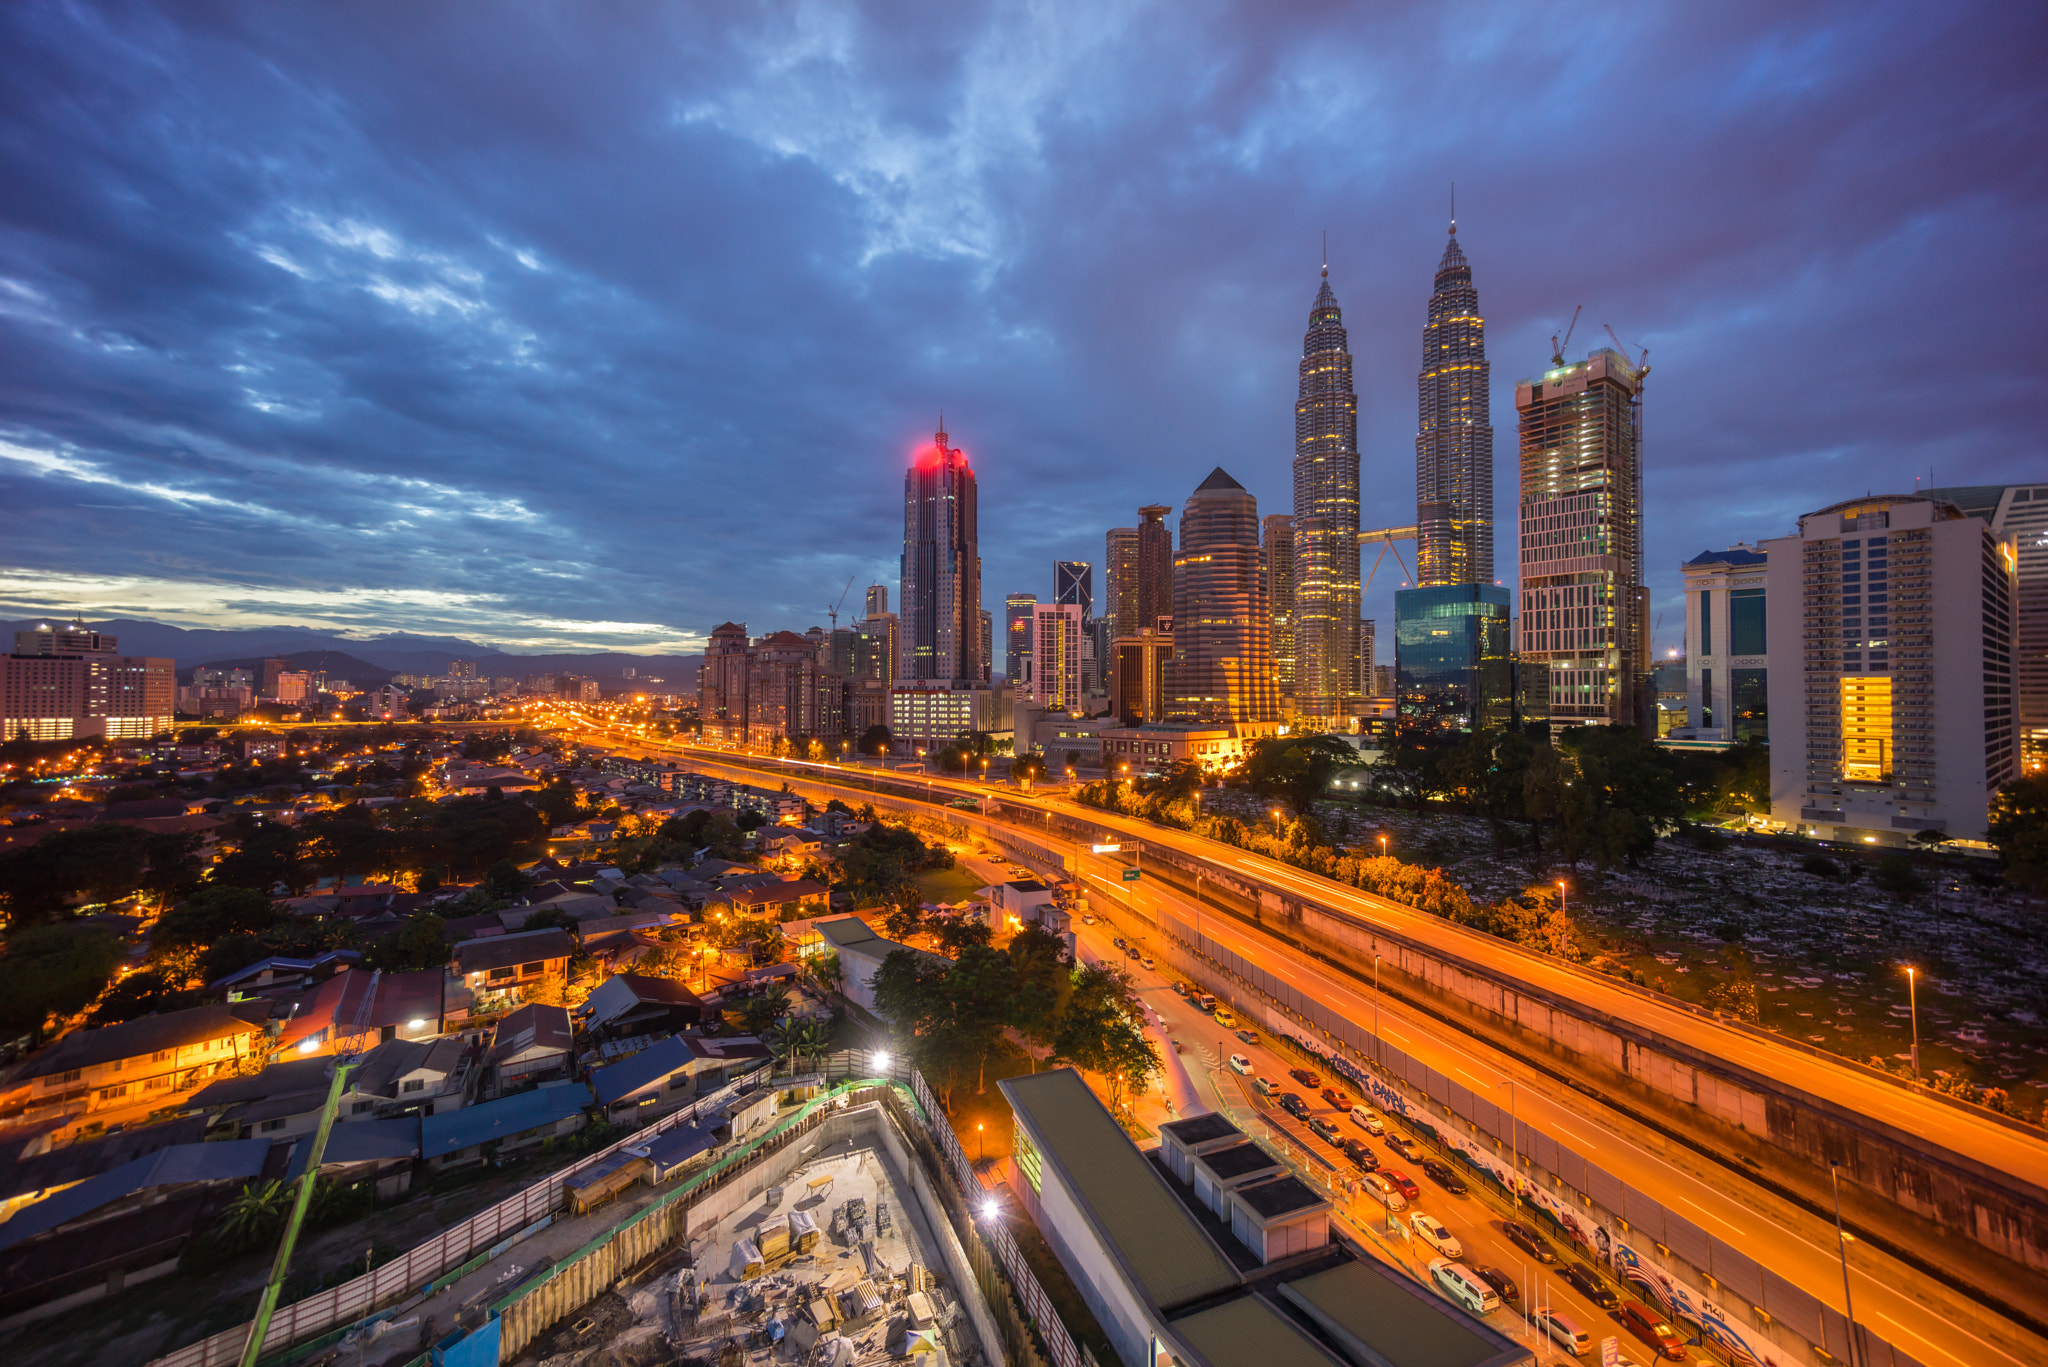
(591, 326)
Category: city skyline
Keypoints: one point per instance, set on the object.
(340, 393)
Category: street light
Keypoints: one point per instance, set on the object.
(1913, 997)
(1383, 844)
(1560, 896)
(977, 1141)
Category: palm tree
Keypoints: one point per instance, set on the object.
(797, 1039)
(758, 1014)
(250, 1218)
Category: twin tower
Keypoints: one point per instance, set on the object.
(1322, 656)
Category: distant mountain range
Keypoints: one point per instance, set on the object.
(375, 659)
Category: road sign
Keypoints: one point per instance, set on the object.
(1610, 1352)
(1131, 875)
(1105, 849)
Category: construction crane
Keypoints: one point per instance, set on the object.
(266, 1304)
(1557, 347)
(833, 611)
(1641, 362)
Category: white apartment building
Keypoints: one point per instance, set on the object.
(1056, 655)
(2019, 513)
(1727, 678)
(1892, 670)
(932, 714)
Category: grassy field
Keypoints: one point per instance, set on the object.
(948, 885)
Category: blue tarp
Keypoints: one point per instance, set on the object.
(501, 1119)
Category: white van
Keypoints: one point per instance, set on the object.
(1564, 1330)
(1367, 1119)
(1462, 1287)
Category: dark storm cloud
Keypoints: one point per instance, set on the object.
(605, 323)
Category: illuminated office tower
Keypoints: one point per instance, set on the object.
(1222, 666)
(1454, 434)
(878, 599)
(1584, 608)
(1326, 595)
(2019, 513)
(1892, 671)
(1279, 566)
(1017, 631)
(1120, 579)
(939, 633)
(1056, 656)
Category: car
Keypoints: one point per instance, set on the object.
(1293, 1105)
(1361, 1156)
(1248, 1036)
(1324, 1130)
(1503, 1285)
(1589, 1285)
(1562, 1329)
(1305, 1077)
(1130, 951)
(1265, 1085)
(1381, 1190)
(1431, 1231)
(1240, 1064)
(1406, 1147)
(1403, 1183)
(1147, 962)
(1224, 1017)
(1653, 1329)
(1120, 942)
(1443, 1176)
(1336, 1098)
(1087, 920)
(1367, 1119)
(1204, 1002)
(1183, 989)
(1528, 1240)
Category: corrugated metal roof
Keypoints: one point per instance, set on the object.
(1167, 1254)
(177, 1165)
(500, 1119)
(360, 1141)
(651, 1064)
(1384, 1317)
(1247, 1330)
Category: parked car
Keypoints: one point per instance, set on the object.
(1563, 1330)
(1443, 1175)
(1120, 942)
(1589, 1285)
(1503, 1285)
(1403, 1145)
(1653, 1329)
(1324, 1130)
(1184, 989)
(1367, 1119)
(1337, 1098)
(1240, 1064)
(1087, 920)
(1147, 962)
(1381, 1190)
(1305, 1077)
(1456, 1281)
(1248, 1036)
(1265, 1085)
(1224, 1017)
(1204, 1002)
(1528, 1240)
(1130, 952)
(1403, 1183)
(1360, 1155)
(1431, 1231)
(1294, 1105)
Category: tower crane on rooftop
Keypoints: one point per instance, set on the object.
(833, 611)
(1637, 357)
(1557, 347)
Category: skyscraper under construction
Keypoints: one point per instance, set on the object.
(1454, 434)
(1584, 608)
(1326, 595)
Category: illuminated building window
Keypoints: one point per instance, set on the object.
(1866, 728)
(1028, 1160)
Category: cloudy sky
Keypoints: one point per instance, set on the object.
(597, 324)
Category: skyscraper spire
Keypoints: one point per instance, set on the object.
(1325, 516)
(1454, 431)
(1326, 253)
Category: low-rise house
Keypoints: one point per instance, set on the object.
(124, 1226)
(781, 901)
(282, 1100)
(503, 970)
(353, 1009)
(411, 1076)
(279, 975)
(635, 1004)
(534, 1044)
(28, 1179)
(136, 1061)
(860, 952)
(506, 1125)
(380, 1151)
(672, 1072)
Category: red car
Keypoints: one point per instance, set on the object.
(1305, 1078)
(1654, 1330)
(1403, 1183)
(1337, 1098)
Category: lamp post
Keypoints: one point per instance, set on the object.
(1560, 897)
(1383, 844)
(1913, 997)
(1842, 1246)
(977, 1141)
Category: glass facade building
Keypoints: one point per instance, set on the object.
(1453, 665)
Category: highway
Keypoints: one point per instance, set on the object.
(1925, 1318)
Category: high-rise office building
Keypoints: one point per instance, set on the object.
(1155, 568)
(1278, 552)
(1326, 591)
(1017, 639)
(1368, 649)
(878, 648)
(1074, 582)
(1892, 670)
(2019, 513)
(939, 632)
(1120, 579)
(1584, 608)
(985, 623)
(721, 685)
(1724, 671)
(878, 599)
(1137, 684)
(1056, 656)
(64, 682)
(1452, 665)
(271, 669)
(1453, 434)
(1222, 666)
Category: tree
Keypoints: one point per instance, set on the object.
(253, 1216)
(757, 1013)
(1633, 790)
(210, 914)
(504, 879)
(142, 994)
(2019, 828)
(904, 919)
(100, 863)
(420, 943)
(264, 854)
(53, 971)
(956, 934)
(1028, 767)
(173, 869)
(1897, 876)
(1098, 1032)
(1045, 984)
(910, 993)
(875, 740)
(983, 989)
(795, 1040)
